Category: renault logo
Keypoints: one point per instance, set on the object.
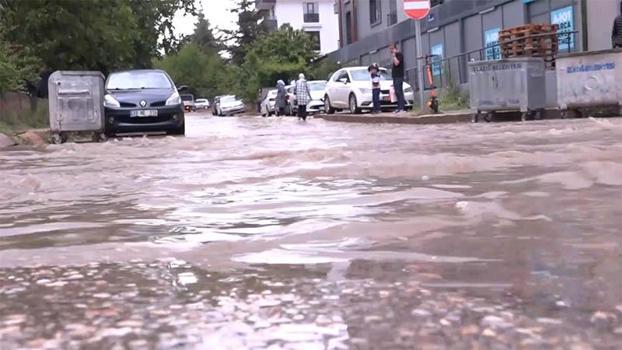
(143, 103)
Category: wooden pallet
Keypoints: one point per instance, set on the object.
(531, 40)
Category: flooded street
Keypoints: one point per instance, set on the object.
(267, 233)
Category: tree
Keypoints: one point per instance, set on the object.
(280, 55)
(155, 30)
(249, 30)
(203, 35)
(204, 72)
(101, 35)
(17, 66)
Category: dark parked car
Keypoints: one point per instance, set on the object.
(143, 101)
(189, 104)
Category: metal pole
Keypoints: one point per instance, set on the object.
(419, 64)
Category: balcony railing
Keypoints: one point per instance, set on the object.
(312, 17)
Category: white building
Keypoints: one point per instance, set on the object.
(316, 17)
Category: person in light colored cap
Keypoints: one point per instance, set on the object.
(303, 96)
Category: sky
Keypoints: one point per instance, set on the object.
(216, 11)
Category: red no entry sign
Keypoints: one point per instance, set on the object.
(417, 9)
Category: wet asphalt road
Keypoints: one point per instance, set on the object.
(267, 233)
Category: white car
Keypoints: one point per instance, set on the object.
(316, 105)
(268, 104)
(350, 89)
(230, 105)
(201, 103)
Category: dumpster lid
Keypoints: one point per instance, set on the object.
(589, 53)
(78, 73)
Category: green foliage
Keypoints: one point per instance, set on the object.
(204, 72)
(99, 34)
(282, 54)
(203, 35)
(17, 65)
(249, 30)
(323, 68)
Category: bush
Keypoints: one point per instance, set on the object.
(17, 66)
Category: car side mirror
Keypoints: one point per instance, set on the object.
(344, 80)
(182, 88)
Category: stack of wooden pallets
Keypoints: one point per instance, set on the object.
(531, 40)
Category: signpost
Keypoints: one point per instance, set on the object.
(418, 10)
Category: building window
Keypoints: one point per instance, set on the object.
(392, 16)
(315, 36)
(375, 12)
(311, 14)
(348, 27)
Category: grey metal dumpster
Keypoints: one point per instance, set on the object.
(514, 84)
(76, 104)
(589, 79)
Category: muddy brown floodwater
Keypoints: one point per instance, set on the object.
(266, 233)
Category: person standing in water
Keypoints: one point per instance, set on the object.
(281, 98)
(375, 87)
(303, 96)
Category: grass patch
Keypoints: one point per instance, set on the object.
(14, 123)
(453, 99)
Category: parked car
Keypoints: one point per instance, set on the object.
(268, 104)
(189, 105)
(216, 105)
(350, 88)
(318, 91)
(290, 107)
(230, 105)
(142, 101)
(201, 103)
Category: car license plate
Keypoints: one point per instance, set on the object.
(387, 98)
(144, 113)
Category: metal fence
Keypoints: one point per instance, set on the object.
(452, 71)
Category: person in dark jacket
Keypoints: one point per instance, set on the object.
(616, 33)
(281, 98)
(398, 77)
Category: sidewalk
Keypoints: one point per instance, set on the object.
(405, 118)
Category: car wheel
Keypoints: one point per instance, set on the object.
(328, 109)
(354, 105)
(179, 131)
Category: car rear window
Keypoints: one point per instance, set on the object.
(317, 86)
(138, 80)
(364, 75)
(228, 99)
(187, 97)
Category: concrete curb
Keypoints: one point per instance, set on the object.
(447, 118)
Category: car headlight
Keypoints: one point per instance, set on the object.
(365, 91)
(174, 99)
(408, 90)
(111, 102)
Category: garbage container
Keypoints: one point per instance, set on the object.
(513, 84)
(76, 104)
(588, 80)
